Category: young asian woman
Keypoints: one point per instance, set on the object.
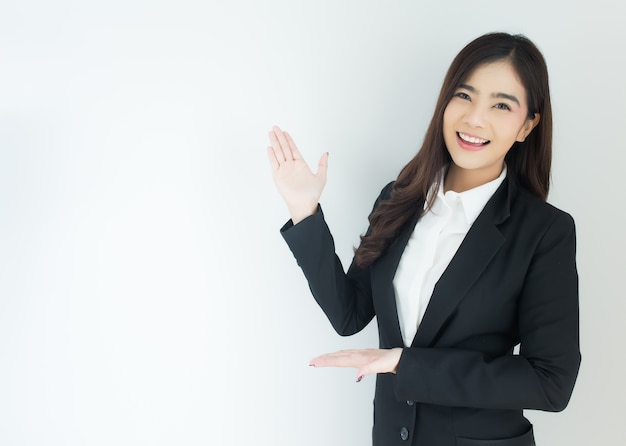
(463, 261)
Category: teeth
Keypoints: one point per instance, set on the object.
(471, 139)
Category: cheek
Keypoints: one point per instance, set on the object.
(512, 121)
(504, 124)
(454, 112)
(448, 117)
(449, 127)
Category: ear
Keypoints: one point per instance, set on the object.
(528, 126)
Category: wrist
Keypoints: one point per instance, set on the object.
(397, 352)
(301, 212)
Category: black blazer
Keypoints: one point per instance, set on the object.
(512, 281)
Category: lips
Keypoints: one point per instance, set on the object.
(471, 142)
(472, 139)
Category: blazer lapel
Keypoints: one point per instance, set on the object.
(476, 251)
(383, 272)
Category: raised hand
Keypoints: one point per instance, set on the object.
(300, 188)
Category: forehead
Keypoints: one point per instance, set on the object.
(496, 77)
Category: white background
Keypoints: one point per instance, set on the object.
(146, 296)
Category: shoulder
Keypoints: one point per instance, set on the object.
(544, 209)
(384, 194)
(540, 216)
(386, 191)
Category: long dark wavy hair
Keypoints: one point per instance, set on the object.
(528, 162)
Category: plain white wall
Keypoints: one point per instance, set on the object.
(146, 296)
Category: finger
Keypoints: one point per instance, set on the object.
(342, 358)
(284, 145)
(322, 166)
(278, 151)
(362, 372)
(292, 146)
(326, 360)
(272, 159)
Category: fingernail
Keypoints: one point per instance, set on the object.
(359, 378)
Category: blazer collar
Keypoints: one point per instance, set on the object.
(479, 246)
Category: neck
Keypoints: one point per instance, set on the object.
(460, 180)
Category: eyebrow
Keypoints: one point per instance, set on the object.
(510, 97)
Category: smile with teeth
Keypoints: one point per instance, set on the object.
(472, 139)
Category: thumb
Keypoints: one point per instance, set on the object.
(322, 166)
(363, 371)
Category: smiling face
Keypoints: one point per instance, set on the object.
(487, 114)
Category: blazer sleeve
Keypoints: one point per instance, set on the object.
(542, 376)
(345, 298)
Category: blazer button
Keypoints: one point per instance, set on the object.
(404, 433)
(410, 403)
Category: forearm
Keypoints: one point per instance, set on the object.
(344, 298)
(453, 377)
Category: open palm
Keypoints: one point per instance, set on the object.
(297, 184)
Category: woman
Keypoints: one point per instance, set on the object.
(463, 261)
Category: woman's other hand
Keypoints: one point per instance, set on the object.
(300, 188)
(367, 361)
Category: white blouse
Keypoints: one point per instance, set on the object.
(435, 239)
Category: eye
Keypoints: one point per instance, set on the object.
(502, 106)
(462, 95)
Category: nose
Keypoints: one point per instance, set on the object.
(474, 116)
